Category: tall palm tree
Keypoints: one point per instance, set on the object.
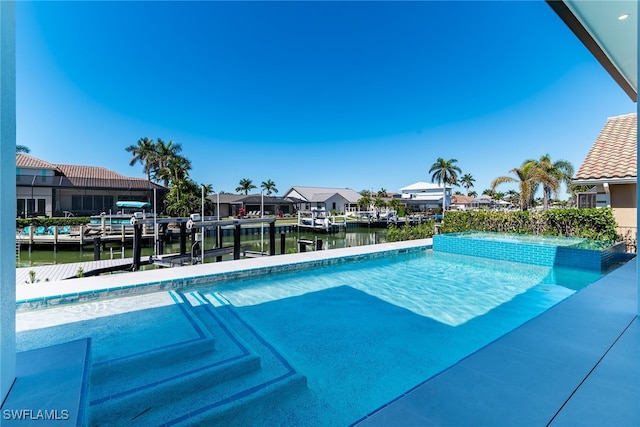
(467, 181)
(22, 149)
(245, 186)
(144, 153)
(525, 176)
(269, 186)
(445, 172)
(175, 172)
(164, 153)
(551, 174)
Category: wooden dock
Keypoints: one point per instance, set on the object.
(54, 272)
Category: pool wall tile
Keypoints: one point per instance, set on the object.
(547, 255)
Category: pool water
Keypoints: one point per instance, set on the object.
(365, 333)
(522, 238)
(361, 333)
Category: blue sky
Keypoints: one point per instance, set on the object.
(365, 95)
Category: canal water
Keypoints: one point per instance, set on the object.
(357, 236)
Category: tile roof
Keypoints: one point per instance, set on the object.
(95, 176)
(86, 176)
(614, 152)
(27, 161)
(456, 198)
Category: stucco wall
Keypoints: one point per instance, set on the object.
(623, 202)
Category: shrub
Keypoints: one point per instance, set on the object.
(593, 223)
(410, 232)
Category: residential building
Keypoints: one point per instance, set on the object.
(421, 196)
(47, 189)
(230, 204)
(462, 203)
(340, 200)
(611, 168)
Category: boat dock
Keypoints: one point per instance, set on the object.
(79, 236)
(44, 273)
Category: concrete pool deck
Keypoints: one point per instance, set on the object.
(576, 364)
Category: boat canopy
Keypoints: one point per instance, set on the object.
(130, 204)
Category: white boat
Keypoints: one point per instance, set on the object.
(317, 219)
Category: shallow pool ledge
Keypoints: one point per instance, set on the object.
(47, 294)
(574, 365)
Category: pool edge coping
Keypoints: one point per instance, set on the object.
(78, 290)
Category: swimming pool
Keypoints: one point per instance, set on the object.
(321, 346)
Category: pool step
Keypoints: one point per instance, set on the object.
(139, 370)
(195, 383)
(138, 406)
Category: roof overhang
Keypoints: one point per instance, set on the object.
(609, 29)
(600, 181)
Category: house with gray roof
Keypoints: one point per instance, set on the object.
(341, 200)
(47, 189)
(611, 168)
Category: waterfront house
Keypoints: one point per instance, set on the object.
(421, 196)
(230, 204)
(340, 200)
(47, 189)
(462, 203)
(610, 168)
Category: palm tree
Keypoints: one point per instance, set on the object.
(22, 149)
(379, 203)
(551, 175)
(269, 186)
(245, 186)
(512, 196)
(526, 178)
(472, 193)
(394, 204)
(467, 181)
(144, 152)
(445, 172)
(365, 201)
(175, 172)
(383, 193)
(165, 152)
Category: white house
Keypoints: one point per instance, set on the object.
(341, 200)
(424, 195)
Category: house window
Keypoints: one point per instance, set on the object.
(586, 200)
(31, 206)
(21, 206)
(76, 203)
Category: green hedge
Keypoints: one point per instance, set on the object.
(410, 232)
(55, 221)
(593, 223)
